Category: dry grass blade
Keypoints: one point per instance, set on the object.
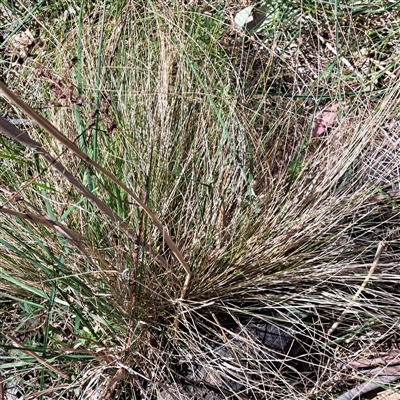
(52, 130)
(36, 357)
(69, 234)
(362, 287)
(14, 133)
(46, 391)
(43, 220)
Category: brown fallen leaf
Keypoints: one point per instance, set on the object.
(391, 359)
(324, 118)
(387, 395)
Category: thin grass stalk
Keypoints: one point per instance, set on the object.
(51, 129)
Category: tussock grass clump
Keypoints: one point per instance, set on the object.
(215, 237)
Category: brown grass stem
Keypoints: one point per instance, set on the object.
(361, 288)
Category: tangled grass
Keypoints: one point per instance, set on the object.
(211, 127)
